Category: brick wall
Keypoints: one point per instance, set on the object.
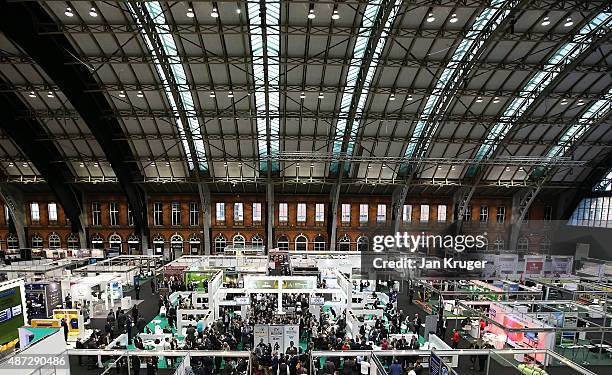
(292, 229)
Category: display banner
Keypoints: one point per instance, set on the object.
(562, 265)
(506, 265)
(534, 265)
(276, 335)
(292, 333)
(434, 364)
(260, 331)
(438, 367)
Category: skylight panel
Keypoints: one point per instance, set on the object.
(269, 52)
(594, 112)
(370, 15)
(565, 55)
(486, 22)
(155, 13)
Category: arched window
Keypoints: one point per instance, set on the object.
(362, 243)
(499, 244)
(220, 243)
(97, 242)
(319, 243)
(523, 244)
(73, 241)
(238, 241)
(133, 242)
(545, 245)
(12, 242)
(37, 241)
(301, 243)
(194, 243)
(283, 242)
(55, 242)
(344, 243)
(114, 241)
(176, 242)
(257, 241)
(158, 244)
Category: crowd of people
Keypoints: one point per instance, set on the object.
(322, 329)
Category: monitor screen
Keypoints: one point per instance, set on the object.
(11, 314)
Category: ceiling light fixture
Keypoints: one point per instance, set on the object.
(580, 102)
(409, 98)
(190, 13)
(453, 168)
(479, 99)
(507, 169)
(369, 166)
(50, 94)
(496, 99)
(214, 13)
(95, 165)
(430, 17)
(568, 22)
(311, 14)
(122, 94)
(238, 11)
(230, 94)
(439, 167)
(167, 164)
(24, 165)
(11, 164)
(93, 12)
(545, 21)
(564, 102)
(453, 18)
(140, 94)
(335, 15)
(212, 94)
(32, 94)
(82, 165)
(302, 95)
(521, 169)
(321, 96)
(68, 12)
(392, 97)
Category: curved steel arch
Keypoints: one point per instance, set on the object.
(31, 138)
(53, 53)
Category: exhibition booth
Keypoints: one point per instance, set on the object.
(98, 294)
(42, 297)
(129, 267)
(39, 269)
(13, 313)
(428, 294)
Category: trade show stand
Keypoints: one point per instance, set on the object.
(42, 298)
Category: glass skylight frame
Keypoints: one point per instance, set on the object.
(156, 16)
(485, 24)
(269, 53)
(369, 17)
(565, 55)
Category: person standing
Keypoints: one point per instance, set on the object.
(396, 368)
(128, 328)
(455, 339)
(65, 327)
(137, 290)
(136, 364)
